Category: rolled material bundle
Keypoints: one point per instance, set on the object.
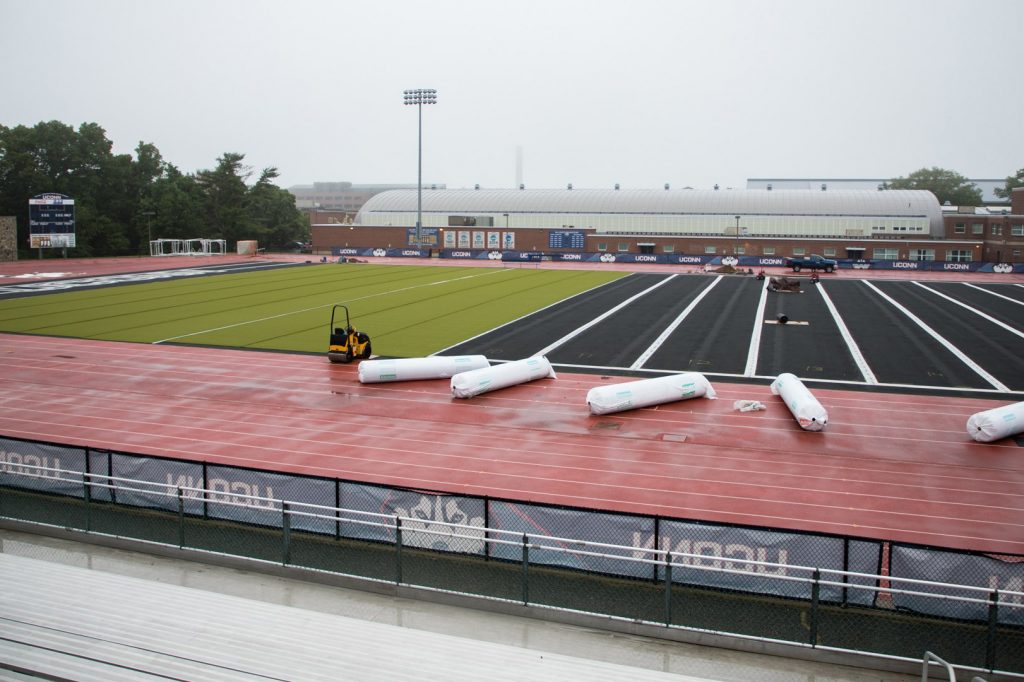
(996, 423)
(805, 407)
(477, 381)
(413, 369)
(635, 394)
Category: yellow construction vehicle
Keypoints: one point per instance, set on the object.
(346, 342)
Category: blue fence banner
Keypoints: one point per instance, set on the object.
(19, 459)
(977, 570)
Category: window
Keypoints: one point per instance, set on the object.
(623, 246)
(977, 228)
(799, 251)
(741, 250)
(997, 230)
(710, 249)
(1017, 230)
(959, 228)
(769, 250)
(886, 254)
(829, 252)
(878, 228)
(668, 248)
(1016, 253)
(922, 254)
(602, 246)
(958, 255)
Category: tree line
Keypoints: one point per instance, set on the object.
(123, 200)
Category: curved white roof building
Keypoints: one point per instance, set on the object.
(762, 213)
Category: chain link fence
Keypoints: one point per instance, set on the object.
(673, 573)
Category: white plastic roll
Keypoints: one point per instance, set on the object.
(805, 407)
(413, 369)
(477, 381)
(996, 423)
(635, 394)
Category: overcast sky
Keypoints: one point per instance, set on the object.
(639, 92)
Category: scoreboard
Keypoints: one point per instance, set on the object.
(566, 239)
(51, 221)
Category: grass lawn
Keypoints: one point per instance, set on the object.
(408, 311)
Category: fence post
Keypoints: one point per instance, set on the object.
(181, 519)
(526, 571)
(815, 590)
(286, 534)
(87, 496)
(668, 589)
(993, 623)
(398, 550)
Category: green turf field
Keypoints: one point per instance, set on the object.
(409, 311)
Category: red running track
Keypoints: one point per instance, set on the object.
(889, 467)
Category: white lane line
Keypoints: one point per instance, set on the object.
(825, 382)
(597, 320)
(755, 334)
(851, 344)
(945, 343)
(530, 314)
(1007, 298)
(646, 355)
(976, 312)
(326, 305)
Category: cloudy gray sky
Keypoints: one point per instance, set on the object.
(639, 92)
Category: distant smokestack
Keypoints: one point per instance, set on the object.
(519, 167)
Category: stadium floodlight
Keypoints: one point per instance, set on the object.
(419, 97)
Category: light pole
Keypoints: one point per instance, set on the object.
(737, 249)
(149, 229)
(420, 97)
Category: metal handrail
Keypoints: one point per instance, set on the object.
(928, 659)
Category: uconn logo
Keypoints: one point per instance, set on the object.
(956, 266)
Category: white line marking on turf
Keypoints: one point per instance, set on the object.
(519, 319)
(1007, 298)
(755, 334)
(976, 312)
(646, 355)
(851, 345)
(600, 318)
(945, 343)
(844, 382)
(326, 305)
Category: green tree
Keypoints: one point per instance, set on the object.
(1012, 181)
(946, 185)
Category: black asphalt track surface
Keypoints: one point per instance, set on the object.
(1005, 311)
(897, 350)
(621, 338)
(524, 337)
(715, 337)
(812, 351)
(995, 349)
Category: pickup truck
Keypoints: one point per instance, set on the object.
(812, 262)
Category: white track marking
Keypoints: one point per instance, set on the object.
(976, 312)
(519, 319)
(652, 349)
(851, 345)
(1007, 298)
(327, 305)
(579, 330)
(825, 382)
(755, 334)
(942, 340)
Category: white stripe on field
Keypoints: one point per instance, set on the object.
(579, 330)
(945, 343)
(976, 312)
(646, 355)
(1011, 300)
(851, 345)
(755, 335)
